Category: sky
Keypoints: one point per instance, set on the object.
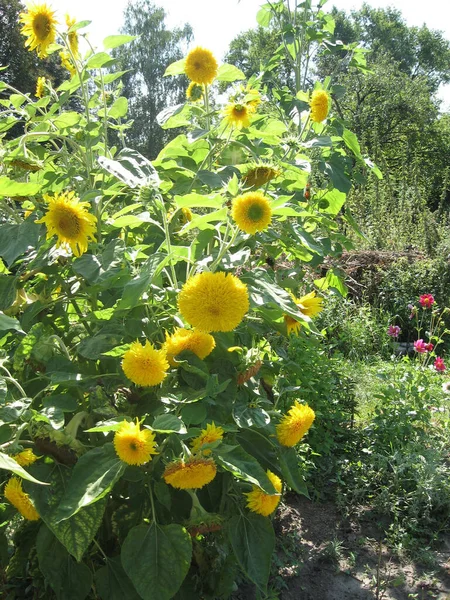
(217, 22)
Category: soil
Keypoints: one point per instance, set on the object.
(321, 556)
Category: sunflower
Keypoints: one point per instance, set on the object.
(262, 503)
(252, 212)
(238, 114)
(194, 93)
(295, 424)
(144, 365)
(186, 215)
(72, 37)
(213, 301)
(319, 103)
(40, 87)
(133, 446)
(207, 436)
(66, 61)
(259, 175)
(201, 66)
(192, 474)
(310, 305)
(39, 27)
(198, 342)
(69, 220)
(20, 500)
(25, 458)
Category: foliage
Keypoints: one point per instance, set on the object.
(144, 61)
(141, 465)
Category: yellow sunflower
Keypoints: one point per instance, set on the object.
(201, 66)
(72, 37)
(295, 424)
(238, 114)
(70, 221)
(194, 93)
(208, 436)
(40, 87)
(259, 175)
(252, 212)
(262, 503)
(66, 61)
(144, 365)
(213, 301)
(39, 26)
(194, 473)
(198, 342)
(186, 215)
(310, 305)
(25, 458)
(20, 500)
(320, 105)
(133, 445)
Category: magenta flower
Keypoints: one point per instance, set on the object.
(426, 300)
(420, 346)
(394, 331)
(429, 347)
(439, 364)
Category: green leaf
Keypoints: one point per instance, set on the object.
(176, 68)
(114, 41)
(92, 478)
(264, 15)
(168, 423)
(243, 466)
(8, 291)
(333, 280)
(204, 221)
(15, 240)
(7, 323)
(76, 533)
(335, 200)
(119, 109)
(228, 72)
(253, 541)
(157, 558)
(8, 187)
(68, 579)
(93, 347)
(9, 464)
(79, 25)
(199, 201)
(67, 119)
(291, 470)
(134, 289)
(99, 60)
(351, 142)
(112, 583)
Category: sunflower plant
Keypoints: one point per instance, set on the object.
(145, 310)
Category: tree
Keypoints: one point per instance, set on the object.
(145, 86)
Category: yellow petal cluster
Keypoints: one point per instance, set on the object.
(310, 305)
(133, 445)
(72, 37)
(70, 221)
(252, 212)
(198, 342)
(211, 434)
(260, 502)
(295, 424)
(192, 474)
(213, 301)
(25, 458)
(66, 61)
(238, 114)
(201, 66)
(39, 26)
(260, 175)
(40, 87)
(20, 500)
(320, 105)
(144, 365)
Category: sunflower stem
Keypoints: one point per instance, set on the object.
(152, 502)
(11, 379)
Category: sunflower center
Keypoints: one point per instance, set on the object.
(69, 225)
(254, 212)
(133, 446)
(41, 27)
(239, 110)
(198, 65)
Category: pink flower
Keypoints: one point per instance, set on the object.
(429, 347)
(426, 300)
(420, 346)
(439, 364)
(394, 331)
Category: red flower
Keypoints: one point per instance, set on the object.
(429, 347)
(420, 346)
(439, 364)
(426, 300)
(394, 331)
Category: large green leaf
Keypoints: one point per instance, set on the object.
(243, 466)
(9, 187)
(176, 68)
(168, 423)
(76, 533)
(7, 291)
(253, 541)
(9, 464)
(7, 323)
(114, 41)
(112, 583)
(291, 470)
(15, 240)
(157, 558)
(68, 579)
(92, 478)
(228, 72)
(134, 289)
